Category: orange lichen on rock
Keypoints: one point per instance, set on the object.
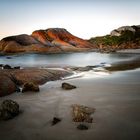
(52, 40)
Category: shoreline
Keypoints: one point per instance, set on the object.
(128, 51)
(131, 51)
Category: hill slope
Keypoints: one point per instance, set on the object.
(125, 37)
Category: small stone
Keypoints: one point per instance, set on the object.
(82, 127)
(68, 86)
(55, 120)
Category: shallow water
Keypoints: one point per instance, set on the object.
(70, 59)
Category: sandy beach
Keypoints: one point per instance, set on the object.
(116, 99)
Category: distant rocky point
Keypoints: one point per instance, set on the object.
(125, 37)
(59, 40)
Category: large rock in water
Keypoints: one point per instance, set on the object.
(7, 86)
(30, 87)
(53, 40)
(8, 109)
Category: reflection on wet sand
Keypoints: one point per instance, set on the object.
(124, 65)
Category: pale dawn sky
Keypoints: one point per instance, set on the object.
(83, 18)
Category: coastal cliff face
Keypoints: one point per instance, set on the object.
(53, 40)
(125, 37)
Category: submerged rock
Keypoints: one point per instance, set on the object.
(68, 86)
(8, 57)
(17, 67)
(82, 113)
(9, 109)
(82, 127)
(29, 86)
(55, 120)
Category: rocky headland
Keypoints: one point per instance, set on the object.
(52, 40)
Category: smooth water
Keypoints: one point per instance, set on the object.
(68, 59)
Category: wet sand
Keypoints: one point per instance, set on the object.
(116, 98)
(135, 51)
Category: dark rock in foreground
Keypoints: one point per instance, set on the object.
(82, 127)
(30, 87)
(55, 120)
(68, 86)
(17, 67)
(8, 109)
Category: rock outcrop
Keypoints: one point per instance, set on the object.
(12, 79)
(125, 37)
(119, 31)
(52, 40)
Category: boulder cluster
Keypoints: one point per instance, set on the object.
(29, 79)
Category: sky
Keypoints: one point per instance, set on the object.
(83, 18)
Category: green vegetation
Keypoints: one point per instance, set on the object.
(125, 36)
